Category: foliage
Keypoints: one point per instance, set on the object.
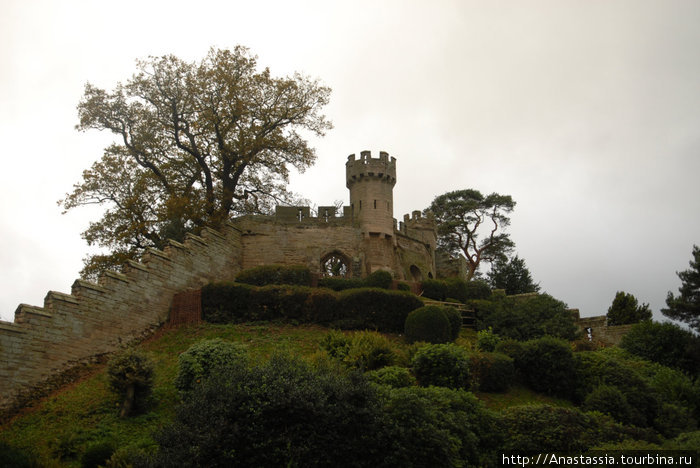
(369, 350)
(16, 458)
(443, 365)
(434, 289)
(365, 308)
(428, 323)
(524, 318)
(456, 288)
(379, 279)
(203, 359)
(393, 376)
(336, 344)
(665, 343)
(492, 372)
(625, 310)
(439, 427)
(96, 455)
(130, 375)
(281, 413)
(548, 366)
(463, 216)
(609, 400)
(512, 276)
(263, 275)
(545, 428)
(197, 143)
(486, 340)
(340, 284)
(686, 306)
(455, 318)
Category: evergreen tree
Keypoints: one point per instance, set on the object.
(686, 306)
(513, 276)
(625, 310)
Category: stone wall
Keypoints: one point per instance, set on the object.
(602, 333)
(96, 318)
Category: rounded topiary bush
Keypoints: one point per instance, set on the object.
(393, 376)
(609, 400)
(548, 366)
(205, 358)
(379, 279)
(428, 323)
(455, 318)
(442, 365)
(492, 372)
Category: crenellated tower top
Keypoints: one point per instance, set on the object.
(382, 168)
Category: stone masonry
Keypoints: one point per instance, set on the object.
(98, 318)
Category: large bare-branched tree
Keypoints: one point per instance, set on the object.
(196, 143)
(472, 224)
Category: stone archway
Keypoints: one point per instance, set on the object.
(335, 264)
(416, 274)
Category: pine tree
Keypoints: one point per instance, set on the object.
(686, 306)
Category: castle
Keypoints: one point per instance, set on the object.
(363, 239)
(96, 318)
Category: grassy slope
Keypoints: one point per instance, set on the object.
(62, 426)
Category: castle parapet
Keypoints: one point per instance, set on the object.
(383, 168)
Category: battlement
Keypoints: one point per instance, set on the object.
(416, 220)
(382, 168)
(302, 214)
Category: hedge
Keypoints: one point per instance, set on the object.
(365, 308)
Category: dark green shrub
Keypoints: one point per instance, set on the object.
(428, 323)
(403, 286)
(281, 413)
(476, 289)
(510, 347)
(443, 365)
(336, 344)
(96, 455)
(275, 302)
(322, 306)
(340, 284)
(369, 350)
(393, 376)
(16, 458)
(486, 340)
(205, 358)
(492, 372)
(226, 302)
(611, 401)
(130, 376)
(673, 420)
(665, 343)
(544, 428)
(379, 279)
(525, 318)
(548, 366)
(455, 318)
(434, 289)
(601, 368)
(263, 275)
(439, 427)
(686, 441)
(376, 309)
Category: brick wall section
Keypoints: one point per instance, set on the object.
(97, 317)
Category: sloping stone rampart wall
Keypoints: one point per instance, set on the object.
(97, 317)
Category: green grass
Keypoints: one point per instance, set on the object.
(59, 429)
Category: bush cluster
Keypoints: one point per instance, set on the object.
(392, 376)
(379, 279)
(548, 366)
(665, 343)
(455, 288)
(287, 413)
(492, 372)
(370, 308)
(130, 376)
(443, 365)
(263, 275)
(203, 359)
(434, 324)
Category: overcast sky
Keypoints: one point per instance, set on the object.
(586, 112)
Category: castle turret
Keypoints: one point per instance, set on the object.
(371, 183)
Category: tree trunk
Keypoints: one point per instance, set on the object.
(128, 404)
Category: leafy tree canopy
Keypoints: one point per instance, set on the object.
(625, 310)
(513, 276)
(686, 306)
(472, 224)
(196, 144)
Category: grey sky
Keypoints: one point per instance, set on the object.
(586, 112)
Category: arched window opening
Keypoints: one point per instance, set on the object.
(416, 274)
(335, 265)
